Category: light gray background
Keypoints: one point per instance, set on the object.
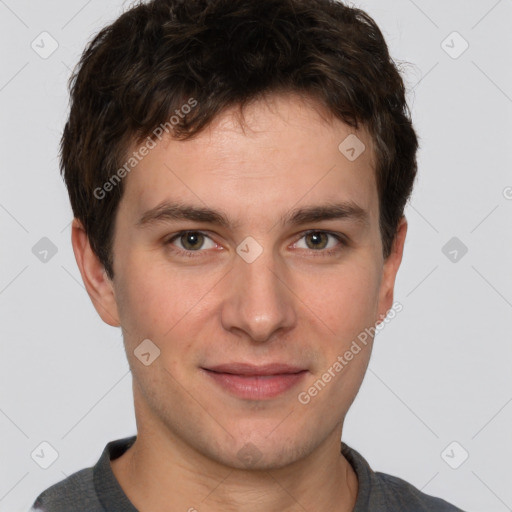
(440, 371)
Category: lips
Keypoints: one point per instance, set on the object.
(255, 382)
(251, 370)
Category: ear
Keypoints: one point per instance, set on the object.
(390, 269)
(98, 285)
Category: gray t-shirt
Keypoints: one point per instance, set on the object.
(97, 490)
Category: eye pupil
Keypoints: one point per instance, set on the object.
(190, 240)
(316, 238)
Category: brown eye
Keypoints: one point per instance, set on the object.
(324, 243)
(192, 240)
(316, 240)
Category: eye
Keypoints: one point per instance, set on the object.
(321, 241)
(191, 241)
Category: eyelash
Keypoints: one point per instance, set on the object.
(315, 253)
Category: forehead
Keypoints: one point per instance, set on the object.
(282, 153)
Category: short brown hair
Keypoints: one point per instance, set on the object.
(136, 72)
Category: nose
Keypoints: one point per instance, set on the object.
(259, 302)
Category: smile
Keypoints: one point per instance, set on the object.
(255, 383)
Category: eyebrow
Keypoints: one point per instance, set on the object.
(170, 211)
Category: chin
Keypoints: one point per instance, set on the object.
(267, 452)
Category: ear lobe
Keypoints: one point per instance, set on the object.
(390, 270)
(97, 283)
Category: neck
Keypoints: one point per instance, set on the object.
(159, 470)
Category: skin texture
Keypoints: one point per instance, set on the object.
(294, 304)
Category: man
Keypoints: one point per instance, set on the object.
(238, 172)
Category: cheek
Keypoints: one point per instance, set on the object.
(143, 298)
(155, 298)
(346, 300)
(348, 307)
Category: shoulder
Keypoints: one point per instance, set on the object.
(401, 495)
(64, 495)
(93, 489)
(381, 492)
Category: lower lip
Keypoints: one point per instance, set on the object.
(258, 387)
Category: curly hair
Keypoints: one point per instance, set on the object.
(138, 72)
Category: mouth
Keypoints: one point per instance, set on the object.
(253, 382)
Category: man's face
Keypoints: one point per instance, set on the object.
(258, 290)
